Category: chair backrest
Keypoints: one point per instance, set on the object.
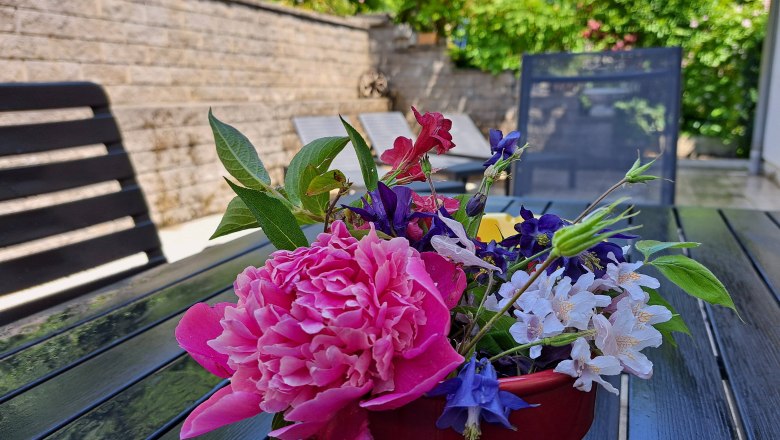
(59, 177)
(310, 128)
(587, 115)
(469, 141)
(383, 128)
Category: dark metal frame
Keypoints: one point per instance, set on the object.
(528, 80)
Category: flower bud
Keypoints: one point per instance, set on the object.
(636, 173)
(476, 205)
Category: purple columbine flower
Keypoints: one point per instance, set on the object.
(502, 147)
(495, 255)
(474, 395)
(389, 209)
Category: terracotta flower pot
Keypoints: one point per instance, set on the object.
(563, 413)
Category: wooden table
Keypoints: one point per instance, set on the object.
(107, 365)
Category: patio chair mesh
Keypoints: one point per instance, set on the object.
(587, 116)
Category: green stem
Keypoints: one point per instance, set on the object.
(522, 264)
(545, 341)
(508, 306)
(593, 205)
(480, 307)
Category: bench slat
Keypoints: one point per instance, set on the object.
(57, 219)
(40, 179)
(750, 349)
(35, 138)
(685, 379)
(31, 270)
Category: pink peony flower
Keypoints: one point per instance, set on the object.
(324, 333)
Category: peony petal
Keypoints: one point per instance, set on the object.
(450, 280)
(200, 324)
(415, 377)
(224, 407)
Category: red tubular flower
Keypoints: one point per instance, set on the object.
(405, 155)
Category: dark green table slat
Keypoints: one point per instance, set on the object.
(775, 216)
(79, 389)
(68, 347)
(48, 323)
(255, 428)
(684, 399)
(141, 409)
(760, 236)
(750, 349)
(534, 206)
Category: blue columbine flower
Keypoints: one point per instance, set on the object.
(535, 234)
(474, 395)
(502, 147)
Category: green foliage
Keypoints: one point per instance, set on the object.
(238, 155)
(721, 41)
(695, 279)
(313, 160)
(342, 7)
(676, 324)
(366, 160)
(237, 217)
(276, 219)
(649, 247)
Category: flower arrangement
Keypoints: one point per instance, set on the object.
(399, 298)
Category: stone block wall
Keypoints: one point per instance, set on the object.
(424, 76)
(165, 62)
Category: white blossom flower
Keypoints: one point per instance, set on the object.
(623, 338)
(588, 370)
(645, 314)
(530, 328)
(625, 277)
(461, 249)
(573, 310)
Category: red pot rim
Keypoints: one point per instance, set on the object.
(535, 382)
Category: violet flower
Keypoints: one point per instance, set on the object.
(535, 234)
(502, 147)
(493, 254)
(473, 396)
(389, 209)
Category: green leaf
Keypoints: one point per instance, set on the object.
(238, 155)
(318, 154)
(277, 221)
(237, 218)
(676, 324)
(315, 203)
(365, 158)
(649, 247)
(695, 279)
(326, 182)
(278, 422)
(460, 215)
(498, 338)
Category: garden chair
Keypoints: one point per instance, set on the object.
(310, 128)
(29, 212)
(587, 115)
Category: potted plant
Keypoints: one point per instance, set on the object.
(398, 322)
